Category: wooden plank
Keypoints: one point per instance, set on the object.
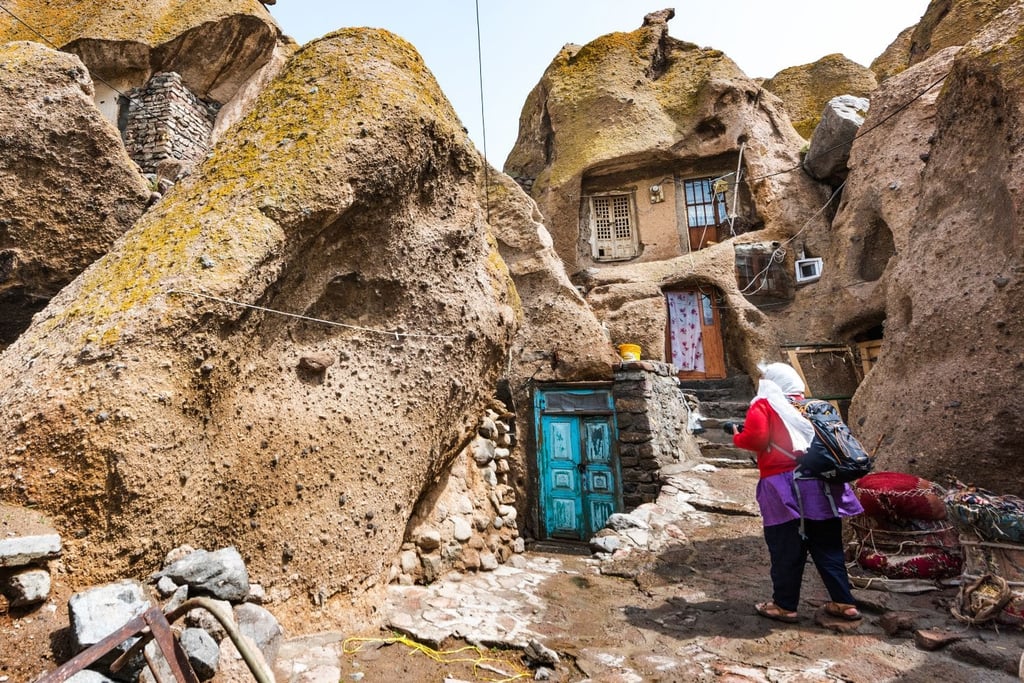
(794, 360)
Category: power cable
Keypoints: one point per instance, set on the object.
(48, 42)
(390, 333)
(483, 118)
(779, 253)
(862, 133)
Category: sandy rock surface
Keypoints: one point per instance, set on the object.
(129, 40)
(178, 417)
(67, 186)
(941, 397)
(806, 89)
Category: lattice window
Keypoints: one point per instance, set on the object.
(614, 234)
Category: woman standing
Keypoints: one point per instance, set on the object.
(794, 526)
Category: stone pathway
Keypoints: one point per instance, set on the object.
(681, 612)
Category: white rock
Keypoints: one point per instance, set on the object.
(27, 587)
(463, 529)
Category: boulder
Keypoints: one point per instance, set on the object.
(262, 627)
(26, 587)
(807, 89)
(128, 42)
(220, 574)
(349, 196)
(67, 186)
(98, 612)
(202, 651)
(89, 676)
(830, 145)
(27, 537)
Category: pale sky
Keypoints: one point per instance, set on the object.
(520, 38)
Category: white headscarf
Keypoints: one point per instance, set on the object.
(777, 381)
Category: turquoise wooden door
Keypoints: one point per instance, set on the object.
(576, 461)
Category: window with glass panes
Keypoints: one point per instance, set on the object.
(703, 208)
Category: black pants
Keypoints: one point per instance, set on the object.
(789, 555)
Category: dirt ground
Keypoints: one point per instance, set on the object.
(687, 617)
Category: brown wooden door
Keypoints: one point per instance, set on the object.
(694, 334)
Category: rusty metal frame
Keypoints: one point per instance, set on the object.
(153, 624)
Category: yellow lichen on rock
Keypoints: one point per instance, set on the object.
(223, 220)
(152, 22)
(806, 89)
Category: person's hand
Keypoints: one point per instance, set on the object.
(731, 427)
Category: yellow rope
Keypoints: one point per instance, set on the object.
(447, 656)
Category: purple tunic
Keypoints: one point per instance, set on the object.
(777, 499)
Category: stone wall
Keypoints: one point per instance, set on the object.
(467, 521)
(166, 120)
(652, 417)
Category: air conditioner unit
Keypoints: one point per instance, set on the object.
(808, 270)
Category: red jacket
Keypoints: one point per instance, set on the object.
(763, 428)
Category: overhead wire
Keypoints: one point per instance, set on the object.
(389, 333)
(483, 119)
(779, 253)
(861, 133)
(55, 47)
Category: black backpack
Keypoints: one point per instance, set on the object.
(834, 455)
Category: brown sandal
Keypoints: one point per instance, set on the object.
(842, 610)
(770, 610)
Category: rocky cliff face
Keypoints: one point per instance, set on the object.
(158, 401)
(628, 102)
(946, 23)
(942, 396)
(216, 46)
(225, 52)
(67, 186)
(806, 89)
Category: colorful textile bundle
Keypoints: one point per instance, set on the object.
(992, 517)
(992, 535)
(903, 533)
(899, 496)
(933, 563)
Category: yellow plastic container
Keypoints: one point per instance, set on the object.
(629, 352)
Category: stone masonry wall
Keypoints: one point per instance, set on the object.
(166, 120)
(468, 521)
(652, 418)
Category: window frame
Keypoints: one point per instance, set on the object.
(622, 248)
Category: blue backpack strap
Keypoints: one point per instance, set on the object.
(799, 505)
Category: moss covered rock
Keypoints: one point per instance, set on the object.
(158, 400)
(946, 23)
(216, 46)
(67, 186)
(806, 89)
(941, 179)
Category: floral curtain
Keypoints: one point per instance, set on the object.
(685, 331)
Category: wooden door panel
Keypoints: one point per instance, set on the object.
(712, 347)
(559, 462)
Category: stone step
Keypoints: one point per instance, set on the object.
(730, 463)
(726, 410)
(713, 452)
(736, 387)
